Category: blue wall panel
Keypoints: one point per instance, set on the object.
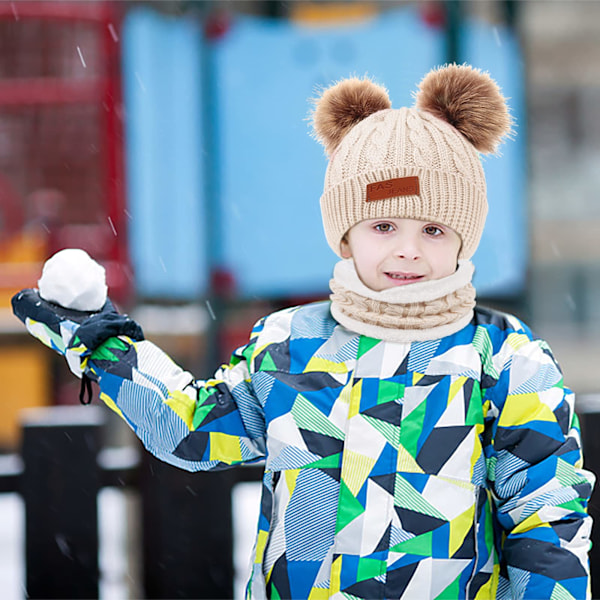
(163, 107)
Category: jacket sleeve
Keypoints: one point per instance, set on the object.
(192, 424)
(535, 468)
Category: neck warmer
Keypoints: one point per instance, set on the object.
(415, 312)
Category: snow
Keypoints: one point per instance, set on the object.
(71, 278)
(117, 554)
(12, 547)
(113, 32)
(66, 415)
(81, 57)
(245, 503)
(211, 311)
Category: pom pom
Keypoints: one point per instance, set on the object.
(470, 101)
(342, 106)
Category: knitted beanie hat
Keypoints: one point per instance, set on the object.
(418, 163)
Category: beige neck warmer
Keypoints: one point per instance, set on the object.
(411, 313)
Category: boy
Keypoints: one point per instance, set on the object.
(416, 446)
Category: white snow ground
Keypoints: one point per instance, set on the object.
(119, 580)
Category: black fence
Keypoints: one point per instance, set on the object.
(186, 518)
(589, 417)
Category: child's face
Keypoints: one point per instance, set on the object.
(394, 252)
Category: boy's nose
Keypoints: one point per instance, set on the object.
(408, 250)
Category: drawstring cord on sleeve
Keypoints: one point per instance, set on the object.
(85, 391)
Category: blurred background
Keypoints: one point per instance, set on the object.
(170, 140)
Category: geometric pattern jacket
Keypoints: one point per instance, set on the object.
(449, 468)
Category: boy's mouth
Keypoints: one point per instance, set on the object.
(403, 278)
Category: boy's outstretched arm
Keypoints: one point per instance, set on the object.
(195, 425)
(535, 466)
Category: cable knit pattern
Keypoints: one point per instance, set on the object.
(417, 136)
(403, 142)
(415, 312)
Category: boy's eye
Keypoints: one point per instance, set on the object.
(432, 230)
(383, 227)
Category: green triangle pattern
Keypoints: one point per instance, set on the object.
(365, 344)
(474, 414)
(389, 431)
(407, 497)
(332, 461)
(566, 474)
(349, 508)
(201, 413)
(483, 345)
(421, 545)
(369, 568)
(560, 593)
(574, 505)
(104, 351)
(451, 592)
(267, 363)
(412, 427)
(389, 391)
(307, 416)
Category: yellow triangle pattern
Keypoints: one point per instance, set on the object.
(488, 589)
(417, 377)
(524, 408)
(460, 527)
(355, 396)
(455, 387)
(476, 449)
(356, 469)
(465, 485)
(336, 574)
(291, 475)
(406, 462)
(346, 393)
(224, 447)
(529, 523)
(183, 406)
(318, 594)
(261, 544)
(517, 340)
(328, 366)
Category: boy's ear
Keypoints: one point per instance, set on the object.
(345, 248)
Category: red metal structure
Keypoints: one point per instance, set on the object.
(61, 172)
(61, 136)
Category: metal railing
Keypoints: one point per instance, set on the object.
(186, 518)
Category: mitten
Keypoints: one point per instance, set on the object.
(72, 333)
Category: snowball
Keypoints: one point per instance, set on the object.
(74, 280)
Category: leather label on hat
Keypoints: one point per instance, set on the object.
(390, 188)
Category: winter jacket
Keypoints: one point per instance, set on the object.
(449, 468)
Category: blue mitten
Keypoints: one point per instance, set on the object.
(72, 333)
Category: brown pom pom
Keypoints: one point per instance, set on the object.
(470, 101)
(342, 106)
